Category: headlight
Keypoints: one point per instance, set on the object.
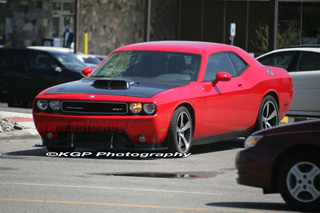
(135, 108)
(251, 141)
(55, 105)
(149, 108)
(42, 104)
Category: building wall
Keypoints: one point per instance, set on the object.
(113, 23)
(27, 22)
(2, 21)
(207, 20)
(109, 23)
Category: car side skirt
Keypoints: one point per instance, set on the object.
(222, 137)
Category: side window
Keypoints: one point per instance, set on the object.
(309, 61)
(238, 63)
(219, 62)
(282, 59)
(42, 61)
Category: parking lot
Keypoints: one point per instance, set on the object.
(205, 181)
(33, 179)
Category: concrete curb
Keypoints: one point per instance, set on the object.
(19, 134)
(23, 119)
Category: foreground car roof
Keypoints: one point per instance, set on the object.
(195, 47)
(186, 46)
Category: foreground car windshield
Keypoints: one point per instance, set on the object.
(150, 64)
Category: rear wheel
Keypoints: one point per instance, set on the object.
(299, 181)
(268, 115)
(180, 132)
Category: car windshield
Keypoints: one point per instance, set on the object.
(172, 66)
(69, 61)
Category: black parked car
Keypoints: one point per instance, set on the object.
(24, 72)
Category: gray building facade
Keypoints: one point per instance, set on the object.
(114, 23)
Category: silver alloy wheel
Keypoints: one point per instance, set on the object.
(269, 115)
(303, 182)
(183, 131)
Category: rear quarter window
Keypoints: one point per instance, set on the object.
(309, 61)
(281, 59)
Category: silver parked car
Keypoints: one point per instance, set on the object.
(303, 64)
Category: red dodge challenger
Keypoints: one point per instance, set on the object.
(163, 95)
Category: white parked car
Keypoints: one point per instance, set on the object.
(303, 64)
(91, 60)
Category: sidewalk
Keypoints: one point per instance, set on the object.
(23, 119)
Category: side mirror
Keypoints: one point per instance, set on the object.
(56, 68)
(86, 72)
(221, 76)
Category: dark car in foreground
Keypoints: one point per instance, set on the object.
(286, 160)
(24, 72)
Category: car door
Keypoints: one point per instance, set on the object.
(16, 77)
(306, 83)
(42, 64)
(226, 101)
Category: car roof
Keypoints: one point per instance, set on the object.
(38, 48)
(52, 49)
(178, 46)
(194, 47)
(308, 125)
(293, 48)
(304, 46)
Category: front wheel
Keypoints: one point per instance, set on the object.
(268, 115)
(299, 181)
(180, 132)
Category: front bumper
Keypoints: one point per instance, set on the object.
(101, 131)
(254, 167)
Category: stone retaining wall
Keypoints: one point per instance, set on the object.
(27, 22)
(109, 23)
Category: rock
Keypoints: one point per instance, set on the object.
(7, 125)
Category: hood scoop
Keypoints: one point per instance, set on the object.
(112, 84)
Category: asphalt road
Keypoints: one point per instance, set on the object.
(30, 181)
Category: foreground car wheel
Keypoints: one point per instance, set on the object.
(268, 115)
(299, 181)
(179, 136)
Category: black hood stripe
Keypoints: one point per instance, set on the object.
(139, 88)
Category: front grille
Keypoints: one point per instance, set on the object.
(95, 107)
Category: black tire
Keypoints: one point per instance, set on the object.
(268, 115)
(299, 181)
(179, 138)
(60, 149)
